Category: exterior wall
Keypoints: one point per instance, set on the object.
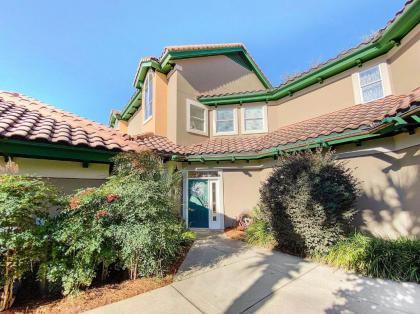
(405, 64)
(135, 124)
(66, 175)
(241, 192)
(388, 169)
(157, 124)
(402, 64)
(196, 76)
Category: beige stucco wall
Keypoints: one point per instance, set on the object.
(338, 92)
(135, 124)
(196, 76)
(241, 192)
(388, 169)
(157, 124)
(68, 176)
(59, 169)
(404, 64)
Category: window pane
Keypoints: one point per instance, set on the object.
(372, 91)
(197, 124)
(254, 125)
(224, 126)
(196, 111)
(254, 113)
(224, 114)
(369, 76)
(202, 174)
(148, 96)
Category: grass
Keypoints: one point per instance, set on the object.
(259, 233)
(376, 257)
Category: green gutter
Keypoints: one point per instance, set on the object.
(390, 38)
(283, 149)
(32, 149)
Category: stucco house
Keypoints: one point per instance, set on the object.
(210, 110)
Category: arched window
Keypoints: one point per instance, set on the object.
(148, 96)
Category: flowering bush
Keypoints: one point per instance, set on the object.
(127, 223)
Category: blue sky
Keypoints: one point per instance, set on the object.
(82, 55)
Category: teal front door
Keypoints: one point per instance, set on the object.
(198, 203)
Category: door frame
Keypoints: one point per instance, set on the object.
(219, 187)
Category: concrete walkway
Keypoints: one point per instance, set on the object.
(226, 276)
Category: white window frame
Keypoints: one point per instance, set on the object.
(190, 103)
(385, 80)
(265, 124)
(235, 121)
(148, 82)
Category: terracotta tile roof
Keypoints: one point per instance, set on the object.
(159, 144)
(372, 38)
(363, 117)
(25, 118)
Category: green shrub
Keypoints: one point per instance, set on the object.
(259, 233)
(309, 199)
(24, 205)
(188, 236)
(127, 223)
(383, 258)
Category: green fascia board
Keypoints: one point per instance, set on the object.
(132, 106)
(32, 149)
(142, 71)
(112, 118)
(165, 66)
(389, 39)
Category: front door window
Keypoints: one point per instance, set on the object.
(198, 207)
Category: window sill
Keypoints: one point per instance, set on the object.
(148, 119)
(255, 132)
(197, 132)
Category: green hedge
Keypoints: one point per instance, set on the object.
(383, 258)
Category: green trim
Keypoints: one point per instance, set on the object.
(390, 38)
(113, 118)
(165, 65)
(387, 126)
(32, 149)
(416, 118)
(142, 71)
(325, 141)
(132, 106)
(175, 55)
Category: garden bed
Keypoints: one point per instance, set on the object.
(95, 296)
(235, 234)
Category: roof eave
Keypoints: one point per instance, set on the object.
(389, 39)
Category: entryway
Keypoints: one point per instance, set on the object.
(203, 200)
